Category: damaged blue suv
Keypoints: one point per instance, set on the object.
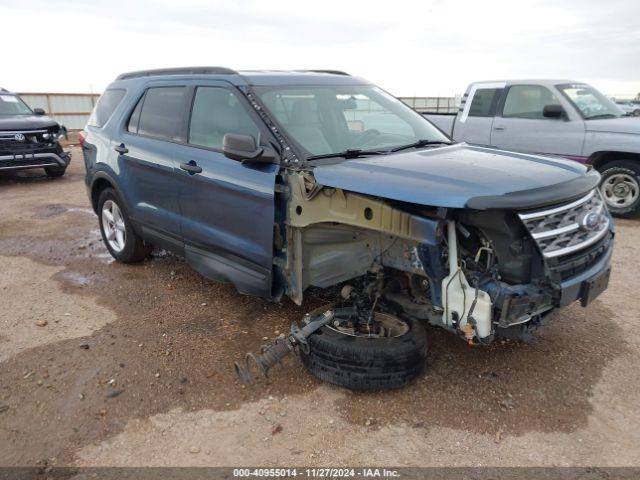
(281, 182)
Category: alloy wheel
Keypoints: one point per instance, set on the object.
(113, 225)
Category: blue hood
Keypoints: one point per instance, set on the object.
(462, 176)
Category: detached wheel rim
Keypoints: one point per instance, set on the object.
(113, 225)
(620, 190)
(382, 326)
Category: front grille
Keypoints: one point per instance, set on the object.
(567, 229)
(23, 141)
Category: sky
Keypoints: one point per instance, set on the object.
(410, 48)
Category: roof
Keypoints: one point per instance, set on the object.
(250, 77)
(535, 81)
(299, 77)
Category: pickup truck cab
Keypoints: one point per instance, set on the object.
(317, 182)
(555, 117)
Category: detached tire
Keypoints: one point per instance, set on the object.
(620, 188)
(361, 363)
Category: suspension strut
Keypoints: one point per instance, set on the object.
(273, 354)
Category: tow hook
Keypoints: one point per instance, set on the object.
(273, 354)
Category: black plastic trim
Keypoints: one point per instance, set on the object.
(177, 71)
(538, 197)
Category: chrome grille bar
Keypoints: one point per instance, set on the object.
(544, 213)
(24, 132)
(565, 229)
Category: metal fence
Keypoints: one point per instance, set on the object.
(433, 104)
(69, 109)
(73, 109)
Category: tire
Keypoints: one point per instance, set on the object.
(132, 248)
(614, 174)
(55, 172)
(360, 363)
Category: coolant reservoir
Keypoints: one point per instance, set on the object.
(458, 296)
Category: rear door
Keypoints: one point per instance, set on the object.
(521, 126)
(473, 124)
(227, 207)
(148, 174)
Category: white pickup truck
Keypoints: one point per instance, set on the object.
(555, 117)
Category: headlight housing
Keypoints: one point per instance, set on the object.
(57, 135)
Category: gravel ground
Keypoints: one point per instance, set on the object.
(109, 364)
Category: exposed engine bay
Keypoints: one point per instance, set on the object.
(478, 274)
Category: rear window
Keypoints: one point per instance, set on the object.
(484, 102)
(159, 113)
(105, 107)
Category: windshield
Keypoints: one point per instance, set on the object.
(326, 120)
(13, 105)
(590, 102)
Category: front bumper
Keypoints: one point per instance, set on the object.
(519, 303)
(573, 288)
(23, 161)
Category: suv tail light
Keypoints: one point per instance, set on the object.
(82, 135)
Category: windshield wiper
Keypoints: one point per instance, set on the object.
(349, 153)
(418, 144)
(358, 152)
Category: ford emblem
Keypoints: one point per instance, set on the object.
(591, 221)
(18, 137)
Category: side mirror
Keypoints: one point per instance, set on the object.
(39, 111)
(553, 111)
(243, 149)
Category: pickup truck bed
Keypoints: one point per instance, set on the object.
(444, 121)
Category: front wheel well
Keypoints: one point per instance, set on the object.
(96, 189)
(600, 159)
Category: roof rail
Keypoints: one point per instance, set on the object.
(333, 72)
(177, 71)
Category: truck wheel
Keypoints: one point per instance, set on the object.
(361, 361)
(620, 188)
(55, 172)
(118, 235)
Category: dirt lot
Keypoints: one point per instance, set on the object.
(134, 367)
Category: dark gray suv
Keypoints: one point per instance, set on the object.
(29, 139)
(279, 182)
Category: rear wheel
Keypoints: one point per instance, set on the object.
(388, 355)
(620, 188)
(55, 172)
(118, 235)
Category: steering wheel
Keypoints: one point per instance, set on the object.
(367, 136)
